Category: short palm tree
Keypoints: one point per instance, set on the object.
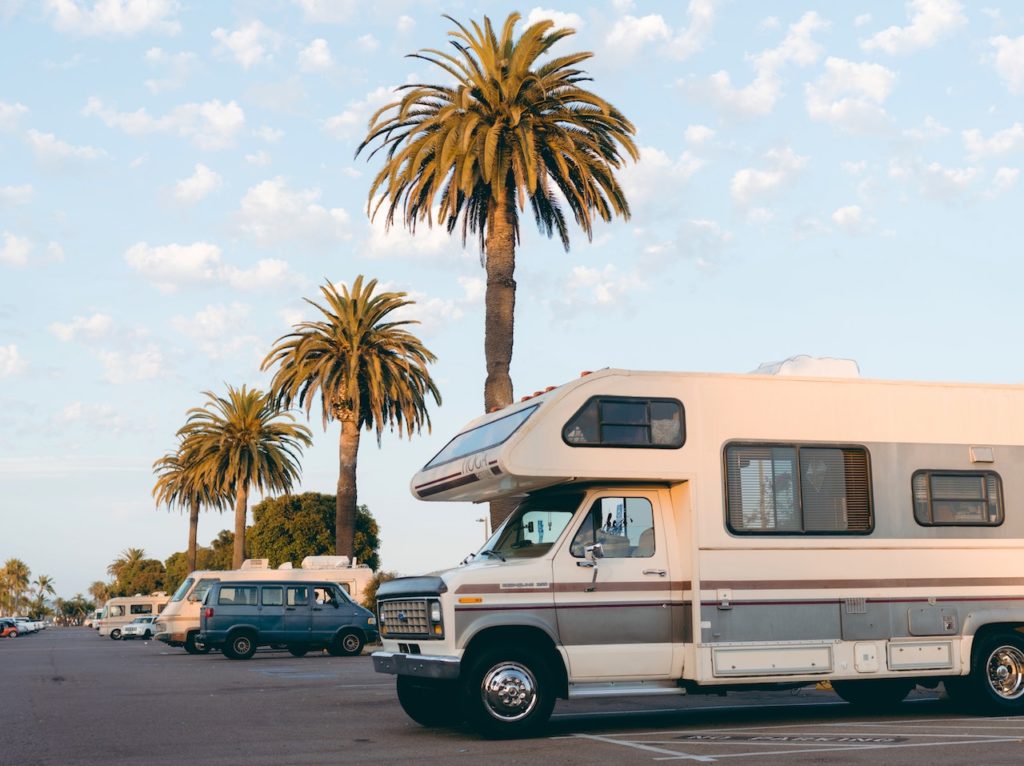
(178, 484)
(241, 441)
(369, 372)
(44, 586)
(129, 557)
(509, 130)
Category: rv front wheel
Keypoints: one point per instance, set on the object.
(874, 693)
(998, 673)
(509, 692)
(428, 702)
(194, 646)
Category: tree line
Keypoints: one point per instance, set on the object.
(37, 599)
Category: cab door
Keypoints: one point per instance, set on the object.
(613, 589)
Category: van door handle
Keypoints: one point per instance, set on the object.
(659, 572)
(317, 609)
(289, 608)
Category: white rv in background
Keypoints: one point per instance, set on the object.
(121, 610)
(179, 621)
(691, 533)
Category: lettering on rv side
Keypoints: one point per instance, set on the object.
(474, 463)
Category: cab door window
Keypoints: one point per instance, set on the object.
(624, 526)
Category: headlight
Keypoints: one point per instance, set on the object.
(435, 611)
(371, 620)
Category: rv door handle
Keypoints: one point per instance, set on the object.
(659, 572)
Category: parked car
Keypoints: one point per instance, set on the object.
(140, 627)
(8, 628)
(240, 615)
(25, 625)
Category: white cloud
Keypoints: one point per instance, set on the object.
(170, 267)
(11, 361)
(851, 219)
(655, 174)
(1003, 181)
(178, 66)
(197, 186)
(15, 250)
(862, 20)
(217, 330)
(328, 11)
(114, 18)
(268, 273)
(1009, 61)
(272, 213)
(750, 184)
(850, 95)
(934, 181)
(251, 44)
(50, 149)
(1001, 143)
(92, 328)
(210, 125)
(259, 159)
(367, 43)
(16, 195)
(605, 289)
(698, 134)
(55, 251)
(11, 114)
(94, 416)
(930, 22)
(429, 242)
(353, 120)
(405, 24)
(560, 18)
(855, 168)
(930, 129)
(127, 367)
(631, 34)
(269, 134)
(700, 241)
(316, 57)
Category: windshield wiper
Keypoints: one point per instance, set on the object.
(491, 552)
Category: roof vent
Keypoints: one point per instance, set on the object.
(255, 564)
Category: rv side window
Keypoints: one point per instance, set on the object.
(606, 421)
(623, 525)
(115, 611)
(142, 609)
(958, 498)
(794, 489)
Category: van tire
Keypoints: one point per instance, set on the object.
(116, 634)
(429, 702)
(194, 645)
(509, 692)
(240, 646)
(875, 693)
(347, 644)
(996, 682)
(298, 651)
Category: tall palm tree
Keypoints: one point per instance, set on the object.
(510, 129)
(240, 441)
(16, 579)
(369, 372)
(129, 557)
(44, 586)
(178, 484)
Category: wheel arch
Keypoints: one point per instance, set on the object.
(534, 636)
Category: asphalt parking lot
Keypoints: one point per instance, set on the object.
(71, 697)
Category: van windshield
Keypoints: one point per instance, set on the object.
(179, 594)
(533, 527)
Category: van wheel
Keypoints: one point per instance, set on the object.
(194, 645)
(116, 634)
(241, 646)
(346, 644)
(874, 693)
(298, 651)
(509, 693)
(996, 682)
(430, 703)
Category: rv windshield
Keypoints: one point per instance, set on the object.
(533, 527)
(179, 594)
(482, 437)
(202, 589)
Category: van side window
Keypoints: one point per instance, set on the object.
(141, 609)
(273, 596)
(297, 595)
(237, 594)
(608, 421)
(958, 498)
(623, 525)
(796, 489)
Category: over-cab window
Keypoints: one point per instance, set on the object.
(958, 498)
(624, 526)
(482, 437)
(616, 421)
(797, 489)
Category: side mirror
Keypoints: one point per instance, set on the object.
(595, 551)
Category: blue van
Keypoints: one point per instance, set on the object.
(240, 615)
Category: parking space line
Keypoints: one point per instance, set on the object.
(861, 747)
(675, 755)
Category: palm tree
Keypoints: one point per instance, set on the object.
(15, 581)
(244, 440)
(509, 129)
(129, 558)
(44, 586)
(100, 591)
(368, 371)
(178, 484)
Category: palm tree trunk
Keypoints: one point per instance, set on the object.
(193, 529)
(241, 504)
(345, 502)
(499, 319)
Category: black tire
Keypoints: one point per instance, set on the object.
(115, 634)
(240, 646)
(194, 646)
(148, 635)
(996, 682)
(429, 702)
(508, 692)
(13, 634)
(298, 651)
(347, 644)
(875, 693)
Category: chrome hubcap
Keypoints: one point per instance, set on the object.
(509, 691)
(242, 645)
(350, 643)
(1006, 672)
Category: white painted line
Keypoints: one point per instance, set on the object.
(980, 737)
(675, 754)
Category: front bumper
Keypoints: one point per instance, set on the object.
(418, 665)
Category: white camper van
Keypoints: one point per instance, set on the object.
(688, 533)
(179, 621)
(119, 611)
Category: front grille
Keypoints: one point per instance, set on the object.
(404, 617)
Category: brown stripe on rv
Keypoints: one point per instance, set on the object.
(909, 582)
(460, 482)
(436, 481)
(643, 586)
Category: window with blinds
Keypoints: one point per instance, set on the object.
(798, 489)
(958, 498)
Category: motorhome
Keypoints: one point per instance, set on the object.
(692, 532)
(119, 611)
(179, 621)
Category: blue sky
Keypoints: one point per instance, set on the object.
(835, 179)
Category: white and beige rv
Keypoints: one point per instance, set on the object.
(179, 621)
(688, 533)
(119, 611)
